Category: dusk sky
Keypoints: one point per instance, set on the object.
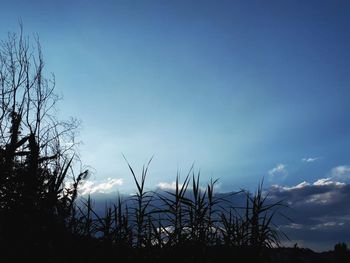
(238, 87)
(244, 89)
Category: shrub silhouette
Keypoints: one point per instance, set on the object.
(341, 251)
(36, 151)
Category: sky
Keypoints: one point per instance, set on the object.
(245, 90)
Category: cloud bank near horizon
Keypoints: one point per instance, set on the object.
(319, 210)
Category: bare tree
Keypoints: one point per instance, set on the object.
(37, 150)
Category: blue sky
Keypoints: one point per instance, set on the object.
(245, 89)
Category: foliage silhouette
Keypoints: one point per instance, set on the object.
(37, 151)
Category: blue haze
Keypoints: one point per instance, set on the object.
(237, 87)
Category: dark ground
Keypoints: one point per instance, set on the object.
(93, 251)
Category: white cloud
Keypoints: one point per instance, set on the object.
(298, 186)
(172, 186)
(327, 181)
(319, 182)
(323, 191)
(310, 159)
(279, 172)
(91, 187)
(168, 186)
(341, 172)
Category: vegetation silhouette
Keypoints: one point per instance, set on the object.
(42, 219)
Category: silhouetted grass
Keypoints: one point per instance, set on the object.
(184, 216)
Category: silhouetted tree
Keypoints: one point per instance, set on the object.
(37, 150)
(341, 252)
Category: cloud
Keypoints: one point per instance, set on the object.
(168, 186)
(327, 181)
(278, 173)
(310, 159)
(326, 225)
(320, 212)
(172, 186)
(298, 186)
(92, 187)
(341, 172)
(294, 226)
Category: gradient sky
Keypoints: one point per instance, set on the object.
(245, 89)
